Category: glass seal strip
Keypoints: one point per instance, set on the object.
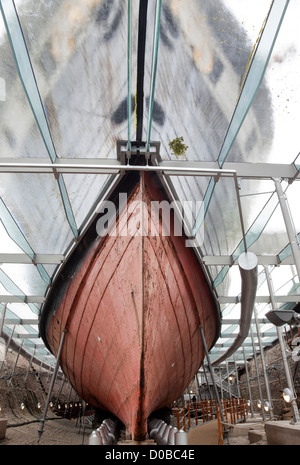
(129, 52)
(154, 69)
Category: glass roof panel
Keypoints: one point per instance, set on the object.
(23, 139)
(34, 201)
(77, 55)
(83, 190)
(26, 277)
(277, 102)
(200, 73)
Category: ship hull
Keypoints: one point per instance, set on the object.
(131, 304)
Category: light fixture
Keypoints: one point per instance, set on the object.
(22, 406)
(259, 404)
(39, 405)
(51, 404)
(266, 406)
(248, 403)
(282, 317)
(288, 395)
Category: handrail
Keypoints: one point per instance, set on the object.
(234, 410)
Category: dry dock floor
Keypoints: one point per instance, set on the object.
(69, 432)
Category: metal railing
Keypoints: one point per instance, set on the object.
(233, 411)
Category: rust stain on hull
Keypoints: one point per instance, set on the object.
(131, 305)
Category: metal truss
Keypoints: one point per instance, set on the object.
(258, 171)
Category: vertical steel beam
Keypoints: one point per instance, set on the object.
(248, 383)
(221, 382)
(198, 384)
(60, 390)
(29, 366)
(2, 341)
(237, 377)
(257, 374)
(228, 380)
(282, 347)
(263, 362)
(2, 318)
(16, 362)
(212, 376)
(42, 423)
(7, 346)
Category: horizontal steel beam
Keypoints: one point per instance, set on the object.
(233, 335)
(172, 167)
(61, 166)
(260, 299)
(223, 260)
(221, 299)
(243, 170)
(20, 258)
(26, 336)
(210, 260)
(220, 345)
(28, 299)
(236, 321)
(20, 321)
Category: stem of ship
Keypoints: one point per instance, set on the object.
(42, 423)
(213, 379)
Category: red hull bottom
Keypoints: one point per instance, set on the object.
(132, 311)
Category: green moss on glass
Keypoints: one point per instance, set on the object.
(178, 147)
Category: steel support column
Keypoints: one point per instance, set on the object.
(237, 377)
(263, 362)
(257, 373)
(42, 423)
(29, 366)
(7, 346)
(248, 383)
(16, 362)
(213, 378)
(228, 380)
(282, 348)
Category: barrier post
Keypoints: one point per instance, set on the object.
(189, 414)
(183, 420)
(196, 412)
(178, 419)
(220, 427)
(203, 410)
(230, 411)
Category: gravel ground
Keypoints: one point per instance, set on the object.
(56, 432)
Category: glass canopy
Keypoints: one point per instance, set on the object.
(221, 74)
